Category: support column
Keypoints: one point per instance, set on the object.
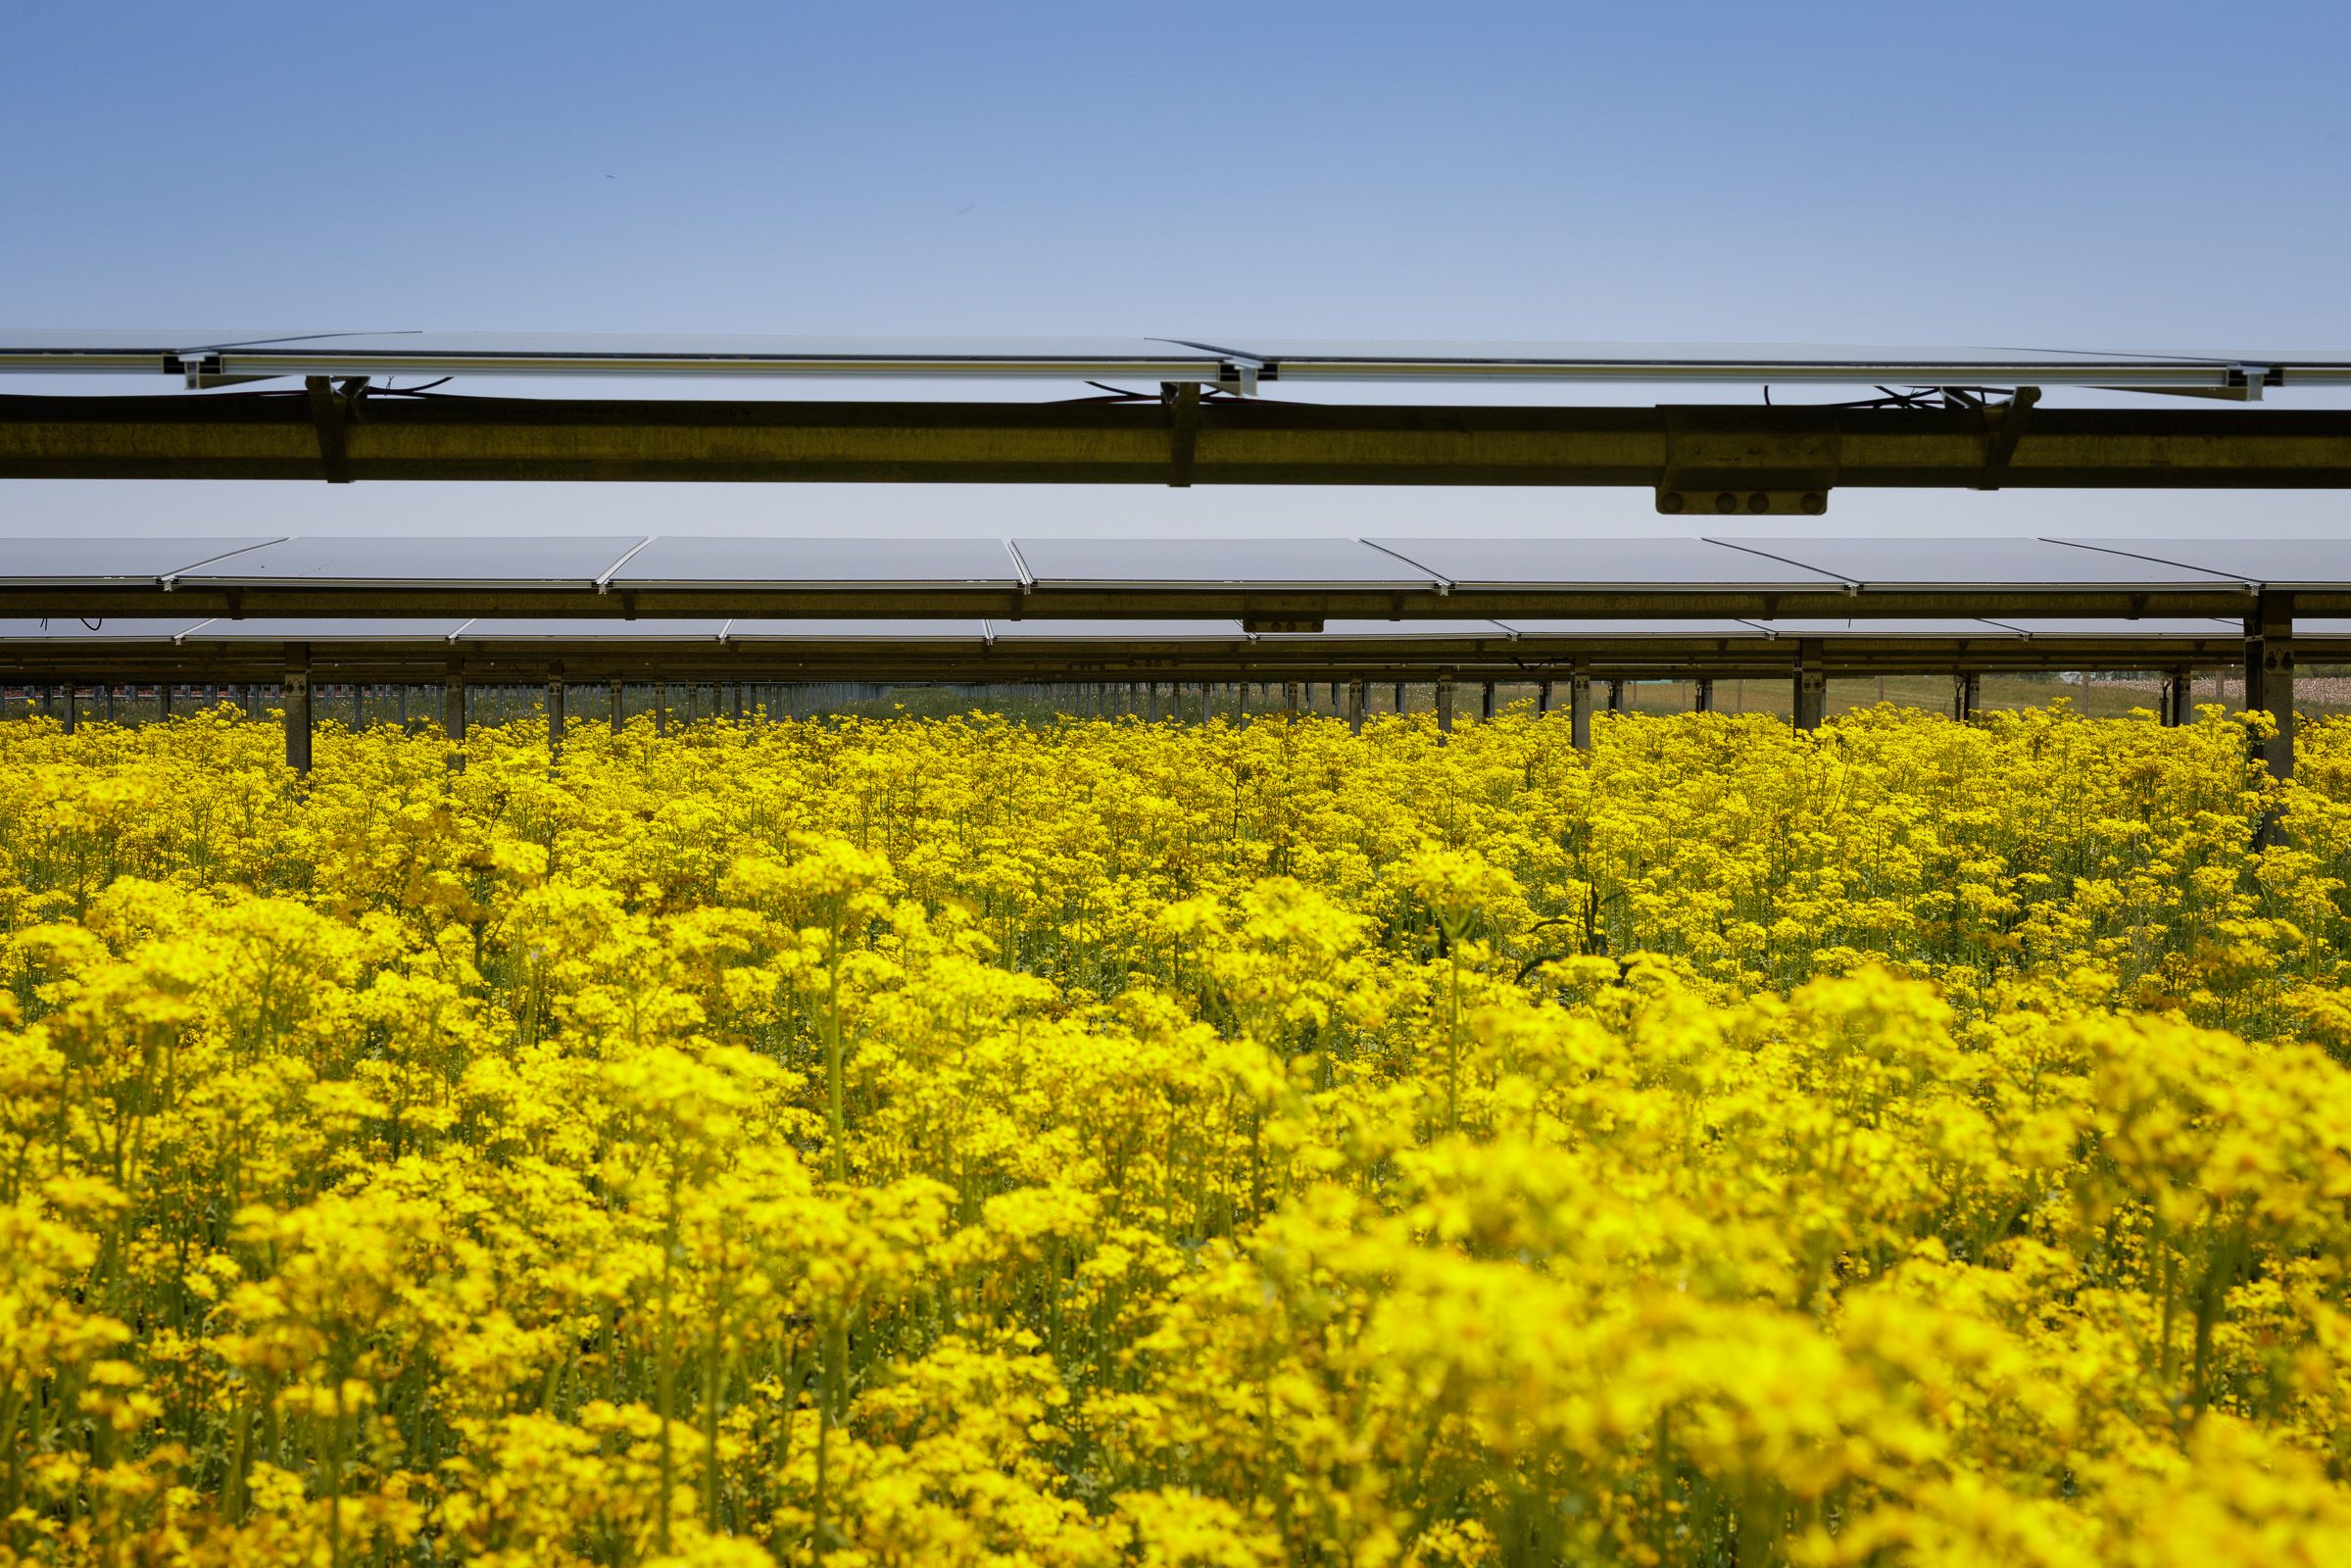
(1702, 694)
(2270, 675)
(453, 712)
(106, 701)
(1543, 697)
(1291, 692)
(1358, 699)
(1967, 695)
(1812, 686)
(359, 707)
(555, 712)
(660, 708)
(69, 718)
(1616, 696)
(1579, 707)
(1445, 702)
(738, 701)
(298, 709)
(2179, 698)
(1486, 700)
(163, 700)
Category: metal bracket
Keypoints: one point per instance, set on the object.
(333, 411)
(2004, 427)
(1754, 463)
(1183, 398)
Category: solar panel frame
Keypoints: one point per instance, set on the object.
(1893, 628)
(1397, 630)
(789, 630)
(1604, 565)
(2325, 564)
(554, 629)
(701, 561)
(114, 561)
(1283, 564)
(1537, 630)
(1042, 629)
(455, 561)
(1949, 562)
(305, 629)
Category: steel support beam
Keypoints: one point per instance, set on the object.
(1579, 707)
(1702, 694)
(1698, 459)
(1445, 702)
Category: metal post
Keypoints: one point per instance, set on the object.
(1579, 707)
(2179, 698)
(660, 708)
(298, 709)
(1400, 697)
(1812, 686)
(69, 718)
(1445, 702)
(1290, 697)
(738, 685)
(1702, 694)
(107, 693)
(1486, 700)
(555, 712)
(617, 707)
(163, 700)
(2270, 675)
(1359, 698)
(1542, 696)
(1967, 695)
(359, 708)
(453, 712)
(1616, 696)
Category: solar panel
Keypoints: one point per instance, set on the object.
(111, 561)
(2272, 563)
(856, 631)
(1349, 359)
(593, 632)
(2154, 628)
(2022, 564)
(254, 352)
(114, 629)
(1270, 563)
(1858, 627)
(419, 352)
(1402, 630)
(682, 560)
(1120, 631)
(1601, 564)
(279, 629)
(463, 559)
(1637, 628)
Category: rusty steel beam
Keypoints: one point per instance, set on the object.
(1699, 460)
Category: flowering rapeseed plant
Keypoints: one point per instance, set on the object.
(952, 1142)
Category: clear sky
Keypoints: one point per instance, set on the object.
(2140, 175)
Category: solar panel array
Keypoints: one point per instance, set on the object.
(1243, 359)
(1695, 565)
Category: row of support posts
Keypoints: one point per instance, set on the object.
(2269, 686)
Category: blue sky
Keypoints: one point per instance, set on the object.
(2093, 176)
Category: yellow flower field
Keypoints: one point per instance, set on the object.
(944, 1142)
